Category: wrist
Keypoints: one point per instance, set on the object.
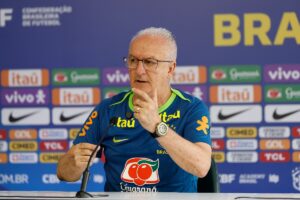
(156, 122)
(160, 130)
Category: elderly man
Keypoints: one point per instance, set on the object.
(160, 140)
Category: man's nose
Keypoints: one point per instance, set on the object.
(140, 67)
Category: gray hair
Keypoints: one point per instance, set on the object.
(161, 32)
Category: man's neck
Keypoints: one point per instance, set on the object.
(163, 97)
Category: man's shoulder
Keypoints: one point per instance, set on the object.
(116, 99)
(189, 101)
(184, 96)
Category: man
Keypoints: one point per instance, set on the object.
(161, 139)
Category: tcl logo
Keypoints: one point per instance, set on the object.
(218, 144)
(2, 134)
(274, 156)
(53, 145)
(296, 131)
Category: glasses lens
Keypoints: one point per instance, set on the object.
(132, 62)
(150, 64)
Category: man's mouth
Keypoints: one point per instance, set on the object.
(140, 81)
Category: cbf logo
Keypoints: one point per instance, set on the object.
(140, 171)
(296, 178)
(5, 16)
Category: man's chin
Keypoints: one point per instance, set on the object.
(144, 87)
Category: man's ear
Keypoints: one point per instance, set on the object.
(172, 68)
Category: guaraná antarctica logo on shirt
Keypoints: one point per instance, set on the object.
(141, 171)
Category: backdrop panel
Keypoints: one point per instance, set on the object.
(60, 58)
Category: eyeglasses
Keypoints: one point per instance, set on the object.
(149, 64)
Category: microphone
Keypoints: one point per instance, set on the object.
(86, 174)
(129, 115)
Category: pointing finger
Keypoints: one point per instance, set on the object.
(141, 94)
(154, 96)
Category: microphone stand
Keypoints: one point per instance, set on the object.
(86, 174)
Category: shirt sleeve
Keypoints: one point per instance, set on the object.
(90, 132)
(197, 127)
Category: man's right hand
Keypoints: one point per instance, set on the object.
(73, 163)
(80, 154)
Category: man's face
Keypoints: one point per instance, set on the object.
(145, 47)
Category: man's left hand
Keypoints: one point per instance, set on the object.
(146, 109)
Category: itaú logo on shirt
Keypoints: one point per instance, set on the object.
(167, 117)
(141, 171)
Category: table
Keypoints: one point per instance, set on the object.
(150, 196)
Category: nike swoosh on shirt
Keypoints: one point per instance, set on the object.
(64, 118)
(14, 119)
(115, 140)
(280, 116)
(221, 116)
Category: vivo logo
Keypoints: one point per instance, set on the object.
(282, 74)
(117, 76)
(24, 96)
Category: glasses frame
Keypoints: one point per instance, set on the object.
(125, 60)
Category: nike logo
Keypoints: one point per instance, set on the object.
(280, 116)
(64, 118)
(115, 140)
(14, 119)
(221, 116)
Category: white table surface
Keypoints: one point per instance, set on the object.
(150, 196)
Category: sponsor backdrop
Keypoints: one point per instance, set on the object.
(59, 59)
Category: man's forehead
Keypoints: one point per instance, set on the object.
(157, 39)
(150, 46)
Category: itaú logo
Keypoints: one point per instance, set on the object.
(141, 171)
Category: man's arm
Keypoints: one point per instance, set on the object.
(72, 164)
(194, 158)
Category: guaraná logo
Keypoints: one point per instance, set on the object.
(141, 171)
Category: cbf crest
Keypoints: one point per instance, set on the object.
(296, 178)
